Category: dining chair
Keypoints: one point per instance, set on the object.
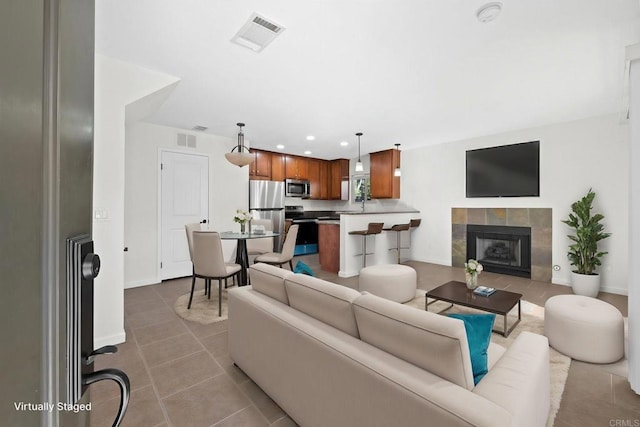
(279, 258)
(190, 228)
(208, 263)
(264, 245)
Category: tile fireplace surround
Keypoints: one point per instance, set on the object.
(539, 219)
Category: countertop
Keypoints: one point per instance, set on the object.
(328, 221)
(325, 216)
(376, 212)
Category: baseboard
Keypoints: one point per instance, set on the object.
(443, 261)
(608, 289)
(345, 274)
(614, 290)
(560, 281)
(118, 338)
(143, 282)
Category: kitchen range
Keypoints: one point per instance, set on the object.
(307, 240)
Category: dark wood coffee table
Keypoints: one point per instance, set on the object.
(500, 302)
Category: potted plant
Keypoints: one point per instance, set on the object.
(583, 252)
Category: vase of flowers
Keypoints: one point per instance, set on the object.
(242, 217)
(472, 269)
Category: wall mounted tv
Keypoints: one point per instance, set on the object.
(504, 171)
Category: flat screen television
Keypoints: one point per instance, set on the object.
(504, 171)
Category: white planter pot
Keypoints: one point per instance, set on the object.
(585, 284)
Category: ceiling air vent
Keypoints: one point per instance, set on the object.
(257, 33)
(200, 128)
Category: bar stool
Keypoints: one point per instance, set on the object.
(414, 223)
(372, 228)
(398, 228)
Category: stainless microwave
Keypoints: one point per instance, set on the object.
(297, 188)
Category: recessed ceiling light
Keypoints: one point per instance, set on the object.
(489, 12)
(344, 143)
(310, 138)
(279, 146)
(307, 152)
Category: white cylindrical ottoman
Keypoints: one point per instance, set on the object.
(391, 281)
(584, 328)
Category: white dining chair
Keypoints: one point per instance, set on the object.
(208, 263)
(264, 245)
(279, 258)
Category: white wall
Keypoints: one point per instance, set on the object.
(634, 214)
(228, 190)
(116, 84)
(573, 157)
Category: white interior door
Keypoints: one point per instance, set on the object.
(184, 194)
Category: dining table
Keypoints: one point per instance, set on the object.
(242, 258)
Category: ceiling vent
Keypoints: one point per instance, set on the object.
(200, 128)
(257, 33)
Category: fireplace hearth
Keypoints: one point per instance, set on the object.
(501, 249)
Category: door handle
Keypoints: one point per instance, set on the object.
(123, 382)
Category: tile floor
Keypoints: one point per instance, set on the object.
(181, 373)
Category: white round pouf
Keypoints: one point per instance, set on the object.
(390, 281)
(584, 328)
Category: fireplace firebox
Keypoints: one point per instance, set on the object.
(501, 249)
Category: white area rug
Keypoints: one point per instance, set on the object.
(203, 310)
(532, 321)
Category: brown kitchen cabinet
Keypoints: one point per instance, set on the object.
(338, 173)
(314, 178)
(324, 179)
(384, 185)
(296, 167)
(277, 167)
(329, 246)
(260, 168)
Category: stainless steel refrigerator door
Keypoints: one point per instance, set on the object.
(277, 218)
(266, 195)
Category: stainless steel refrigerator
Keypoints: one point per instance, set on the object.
(266, 201)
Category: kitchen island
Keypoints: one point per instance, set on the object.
(329, 245)
(378, 245)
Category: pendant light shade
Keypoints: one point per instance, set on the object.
(242, 157)
(397, 171)
(359, 167)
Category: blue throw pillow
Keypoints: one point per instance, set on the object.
(478, 328)
(303, 268)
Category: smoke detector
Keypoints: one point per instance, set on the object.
(200, 128)
(489, 12)
(257, 33)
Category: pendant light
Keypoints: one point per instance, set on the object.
(397, 172)
(242, 157)
(359, 167)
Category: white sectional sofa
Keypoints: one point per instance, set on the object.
(331, 356)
